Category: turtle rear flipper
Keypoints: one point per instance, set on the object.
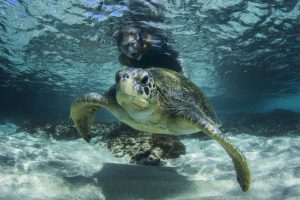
(211, 130)
(238, 159)
(83, 112)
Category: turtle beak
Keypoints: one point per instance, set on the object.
(125, 83)
(128, 90)
(119, 74)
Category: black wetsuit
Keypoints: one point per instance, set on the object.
(154, 58)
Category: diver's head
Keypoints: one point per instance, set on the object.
(129, 42)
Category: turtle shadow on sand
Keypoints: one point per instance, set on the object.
(120, 181)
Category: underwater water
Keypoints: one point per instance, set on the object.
(244, 55)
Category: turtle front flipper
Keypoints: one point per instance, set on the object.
(83, 112)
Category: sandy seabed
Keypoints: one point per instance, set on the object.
(34, 166)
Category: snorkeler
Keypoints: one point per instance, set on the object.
(144, 48)
(140, 42)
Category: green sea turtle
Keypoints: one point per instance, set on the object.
(161, 101)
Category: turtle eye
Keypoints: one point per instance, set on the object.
(144, 79)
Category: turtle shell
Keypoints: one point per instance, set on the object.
(179, 94)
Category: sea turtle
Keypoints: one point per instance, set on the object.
(161, 101)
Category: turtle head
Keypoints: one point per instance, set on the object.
(136, 90)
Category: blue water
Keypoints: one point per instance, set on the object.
(238, 52)
(244, 55)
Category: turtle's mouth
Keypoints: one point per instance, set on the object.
(128, 99)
